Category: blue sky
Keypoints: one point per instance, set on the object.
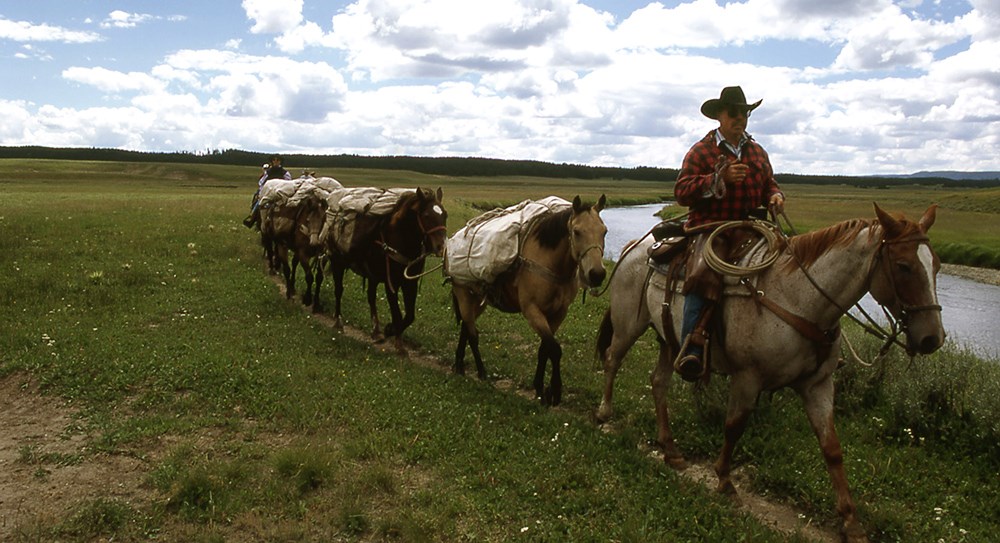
(849, 86)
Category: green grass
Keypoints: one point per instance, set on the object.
(133, 291)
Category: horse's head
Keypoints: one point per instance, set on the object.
(587, 231)
(312, 218)
(905, 279)
(432, 219)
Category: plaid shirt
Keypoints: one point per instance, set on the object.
(709, 200)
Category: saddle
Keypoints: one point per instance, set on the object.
(679, 254)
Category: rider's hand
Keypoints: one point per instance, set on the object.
(735, 173)
(776, 203)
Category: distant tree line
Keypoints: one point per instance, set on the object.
(450, 166)
(459, 166)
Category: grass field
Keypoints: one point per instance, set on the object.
(133, 293)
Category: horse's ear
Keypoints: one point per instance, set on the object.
(890, 224)
(928, 219)
(440, 195)
(420, 194)
(577, 204)
(601, 202)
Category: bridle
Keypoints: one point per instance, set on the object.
(578, 271)
(393, 254)
(897, 326)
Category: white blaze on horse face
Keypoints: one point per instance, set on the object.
(927, 260)
(437, 209)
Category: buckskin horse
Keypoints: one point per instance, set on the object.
(390, 250)
(783, 331)
(562, 252)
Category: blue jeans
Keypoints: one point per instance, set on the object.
(693, 306)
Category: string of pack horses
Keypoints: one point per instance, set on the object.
(777, 324)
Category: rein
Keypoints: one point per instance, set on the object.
(393, 254)
(896, 326)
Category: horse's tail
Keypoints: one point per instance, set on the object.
(604, 335)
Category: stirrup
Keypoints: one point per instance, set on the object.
(690, 367)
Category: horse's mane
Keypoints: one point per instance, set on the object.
(808, 247)
(552, 228)
(408, 202)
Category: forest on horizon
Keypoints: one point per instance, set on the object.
(476, 166)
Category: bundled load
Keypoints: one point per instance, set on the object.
(277, 192)
(489, 244)
(313, 187)
(352, 214)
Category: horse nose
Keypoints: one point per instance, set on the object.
(929, 344)
(596, 277)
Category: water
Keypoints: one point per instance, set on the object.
(970, 310)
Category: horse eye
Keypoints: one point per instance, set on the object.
(903, 267)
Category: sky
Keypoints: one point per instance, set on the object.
(849, 87)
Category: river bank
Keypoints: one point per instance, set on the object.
(980, 275)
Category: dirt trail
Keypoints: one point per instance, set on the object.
(47, 469)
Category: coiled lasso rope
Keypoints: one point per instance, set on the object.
(769, 231)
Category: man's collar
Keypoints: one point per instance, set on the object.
(743, 139)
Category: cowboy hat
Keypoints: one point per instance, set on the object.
(730, 96)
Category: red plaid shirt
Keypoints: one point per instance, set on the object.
(694, 182)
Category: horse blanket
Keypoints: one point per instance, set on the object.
(489, 244)
(352, 214)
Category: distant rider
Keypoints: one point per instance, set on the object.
(272, 170)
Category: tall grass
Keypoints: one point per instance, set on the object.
(145, 303)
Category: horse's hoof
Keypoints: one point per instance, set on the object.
(604, 413)
(726, 488)
(852, 532)
(678, 463)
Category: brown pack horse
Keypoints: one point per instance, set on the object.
(816, 278)
(392, 253)
(295, 228)
(562, 252)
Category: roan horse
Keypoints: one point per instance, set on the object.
(562, 252)
(392, 252)
(816, 278)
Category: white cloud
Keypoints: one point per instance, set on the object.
(123, 19)
(112, 81)
(556, 80)
(29, 32)
(273, 16)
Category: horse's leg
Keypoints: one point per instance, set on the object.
(743, 392)
(337, 270)
(318, 279)
(290, 278)
(659, 380)
(468, 307)
(613, 344)
(818, 403)
(401, 320)
(308, 275)
(396, 324)
(548, 349)
(373, 310)
(286, 270)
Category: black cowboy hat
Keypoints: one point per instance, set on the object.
(729, 97)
